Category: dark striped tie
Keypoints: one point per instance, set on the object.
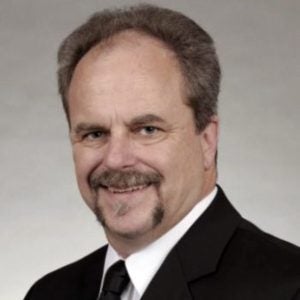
(115, 282)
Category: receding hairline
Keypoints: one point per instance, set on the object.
(133, 37)
(130, 37)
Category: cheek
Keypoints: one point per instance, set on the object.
(183, 165)
(85, 161)
(169, 159)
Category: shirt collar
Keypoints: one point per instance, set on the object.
(150, 258)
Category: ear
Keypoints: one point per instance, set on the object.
(209, 142)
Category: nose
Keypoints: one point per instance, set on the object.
(119, 153)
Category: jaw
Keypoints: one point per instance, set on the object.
(132, 239)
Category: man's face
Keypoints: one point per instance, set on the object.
(140, 163)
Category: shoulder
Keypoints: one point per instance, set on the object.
(262, 242)
(265, 255)
(70, 279)
(254, 251)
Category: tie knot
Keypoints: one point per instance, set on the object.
(116, 280)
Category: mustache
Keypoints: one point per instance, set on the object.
(124, 179)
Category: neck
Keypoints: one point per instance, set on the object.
(125, 246)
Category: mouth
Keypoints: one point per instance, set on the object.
(131, 189)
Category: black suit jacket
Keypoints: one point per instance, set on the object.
(221, 257)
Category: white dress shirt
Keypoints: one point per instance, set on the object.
(143, 265)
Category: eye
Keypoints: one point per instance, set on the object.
(148, 130)
(94, 135)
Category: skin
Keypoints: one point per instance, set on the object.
(128, 112)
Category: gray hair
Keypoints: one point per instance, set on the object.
(193, 47)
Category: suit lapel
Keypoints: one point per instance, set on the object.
(91, 276)
(169, 282)
(197, 253)
(202, 246)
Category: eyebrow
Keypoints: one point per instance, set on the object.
(82, 127)
(144, 119)
(136, 121)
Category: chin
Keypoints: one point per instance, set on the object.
(126, 224)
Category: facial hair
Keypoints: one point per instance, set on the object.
(122, 180)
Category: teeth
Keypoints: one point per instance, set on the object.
(127, 190)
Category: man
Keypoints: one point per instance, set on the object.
(140, 87)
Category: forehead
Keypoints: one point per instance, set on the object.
(134, 52)
(131, 69)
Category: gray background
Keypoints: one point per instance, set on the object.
(44, 223)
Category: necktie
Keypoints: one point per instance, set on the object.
(115, 282)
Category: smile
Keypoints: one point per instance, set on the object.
(130, 189)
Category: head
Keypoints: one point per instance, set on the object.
(193, 47)
(139, 87)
